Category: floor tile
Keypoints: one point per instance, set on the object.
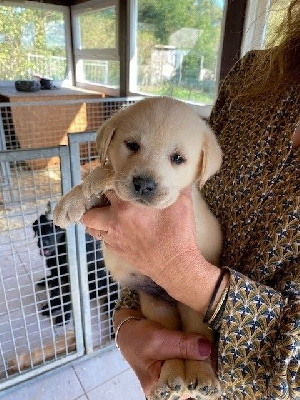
(7, 263)
(23, 328)
(123, 387)
(59, 385)
(99, 369)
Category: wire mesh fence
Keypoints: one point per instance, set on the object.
(27, 337)
(56, 297)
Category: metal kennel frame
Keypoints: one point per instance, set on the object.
(75, 141)
(13, 299)
(29, 178)
(83, 142)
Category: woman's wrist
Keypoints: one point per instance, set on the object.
(218, 298)
(197, 279)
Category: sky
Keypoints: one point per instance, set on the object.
(220, 3)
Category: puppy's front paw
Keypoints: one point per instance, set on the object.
(70, 208)
(98, 182)
(170, 385)
(201, 381)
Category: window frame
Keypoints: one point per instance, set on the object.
(105, 54)
(257, 13)
(69, 80)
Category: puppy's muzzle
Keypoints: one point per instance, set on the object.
(143, 186)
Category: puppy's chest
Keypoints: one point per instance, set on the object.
(127, 276)
(144, 284)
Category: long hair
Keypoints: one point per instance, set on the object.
(279, 64)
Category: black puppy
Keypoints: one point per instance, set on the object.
(52, 244)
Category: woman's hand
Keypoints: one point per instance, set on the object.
(146, 345)
(159, 243)
(134, 232)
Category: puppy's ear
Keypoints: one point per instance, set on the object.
(104, 137)
(210, 159)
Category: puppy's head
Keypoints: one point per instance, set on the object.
(157, 147)
(49, 235)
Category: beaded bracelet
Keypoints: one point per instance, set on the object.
(213, 297)
(130, 317)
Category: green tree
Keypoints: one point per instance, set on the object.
(165, 16)
(98, 29)
(25, 31)
(207, 17)
(160, 19)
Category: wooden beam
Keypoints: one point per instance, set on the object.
(233, 34)
(124, 40)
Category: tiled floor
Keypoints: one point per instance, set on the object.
(105, 376)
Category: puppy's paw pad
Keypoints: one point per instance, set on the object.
(201, 381)
(167, 390)
(209, 389)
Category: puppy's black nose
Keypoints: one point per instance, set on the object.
(144, 186)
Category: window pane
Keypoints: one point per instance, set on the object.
(98, 29)
(32, 41)
(177, 46)
(99, 72)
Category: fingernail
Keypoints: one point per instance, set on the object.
(204, 347)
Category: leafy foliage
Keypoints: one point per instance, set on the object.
(103, 32)
(193, 26)
(24, 31)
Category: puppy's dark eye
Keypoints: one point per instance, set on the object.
(177, 159)
(132, 146)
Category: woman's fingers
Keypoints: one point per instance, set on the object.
(97, 218)
(146, 345)
(180, 345)
(162, 343)
(149, 377)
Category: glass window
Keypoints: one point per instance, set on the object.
(96, 44)
(177, 48)
(262, 20)
(104, 29)
(102, 72)
(32, 42)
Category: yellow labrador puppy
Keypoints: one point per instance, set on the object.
(149, 152)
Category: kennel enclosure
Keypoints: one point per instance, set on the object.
(37, 166)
